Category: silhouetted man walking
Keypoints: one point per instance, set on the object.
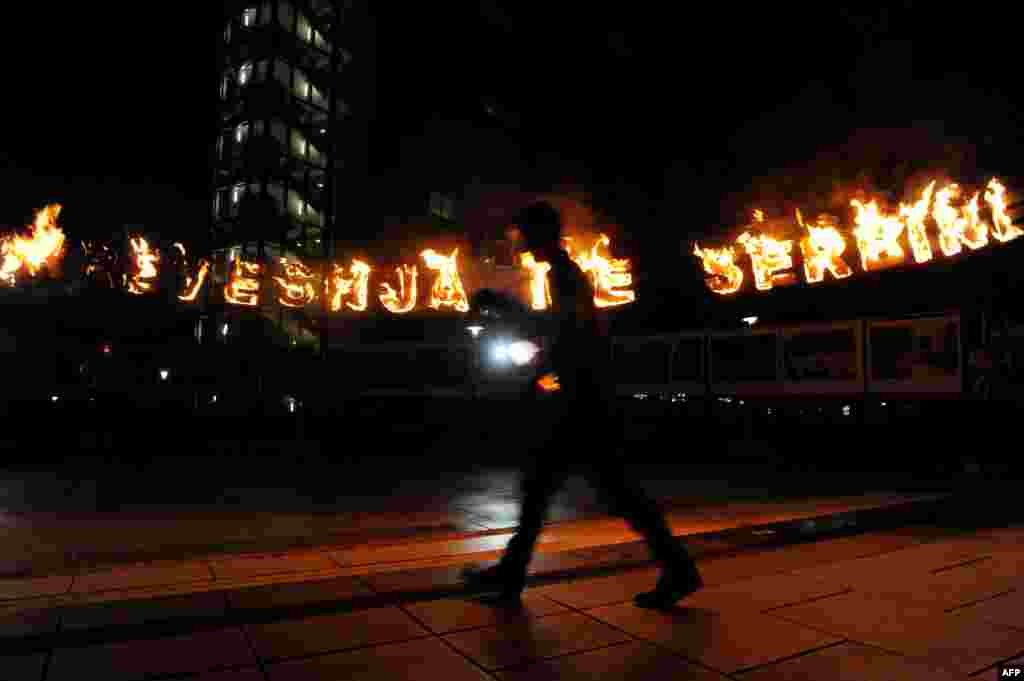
(587, 432)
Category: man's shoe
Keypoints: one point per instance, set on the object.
(672, 587)
(495, 579)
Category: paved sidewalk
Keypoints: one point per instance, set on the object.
(922, 601)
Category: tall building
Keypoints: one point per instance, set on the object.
(288, 136)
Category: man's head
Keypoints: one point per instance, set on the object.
(541, 226)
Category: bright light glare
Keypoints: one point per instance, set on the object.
(500, 352)
(224, 330)
(750, 321)
(164, 373)
(474, 330)
(522, 352)
(54, 398)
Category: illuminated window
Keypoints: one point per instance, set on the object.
(249, 17)
(220, 147)
(302, 208)
(236, 193)
(305, 89)
(227, 33)
(242, 132)
(245, 73)
(224, 88)
(307, 32)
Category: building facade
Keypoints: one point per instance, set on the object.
(287, 139)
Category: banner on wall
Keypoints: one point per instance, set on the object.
(915, 355)
(745, 358)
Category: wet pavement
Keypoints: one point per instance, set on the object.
(919, 599)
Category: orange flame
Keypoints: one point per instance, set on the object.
(297, 285)
(915, 215)
(611, 277)
(958, 227)
(357, 286)
(877, 236)
(548, 383)
(822, 249)
(540, 291)
(145, 261)
(45, 242)
(1003, 229)
(768, 257)
(726, 276)
(243, 285)
(400, 303)
(193, 281)
(193, 284)
(447, 290)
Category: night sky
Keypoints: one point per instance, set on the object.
(109, 111)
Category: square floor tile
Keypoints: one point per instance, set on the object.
(727, 641)
(410, 661)
(594, 591)
(326, 633)
(99, 615)
(22, 667)
(1007, 609)
(960, 641)
(129, 660)
(446, 615)
(34, 587)
(763, 593)
(848, 662)
(299, 593)
(943, 590)
(534, 639)
(634, 661)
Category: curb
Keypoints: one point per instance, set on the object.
(45, 629)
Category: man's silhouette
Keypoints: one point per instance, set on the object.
(587, 432)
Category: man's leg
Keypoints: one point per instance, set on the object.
(679, 576)
(539, 486)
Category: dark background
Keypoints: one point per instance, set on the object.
(682, 118)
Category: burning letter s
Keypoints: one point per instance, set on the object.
(720, 263)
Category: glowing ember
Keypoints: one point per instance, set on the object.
(145, 262)
(957, 226)
(610, 276)
(768, 257)
(243, 287)
(548, 383)
(447, 290)
(357, 287)
(822, 249)
(296, 286)
(726, 277)
(1003, 229)
(877, 236)
(915, 215)
(540, 291)
(45, 242)
(405, 300)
